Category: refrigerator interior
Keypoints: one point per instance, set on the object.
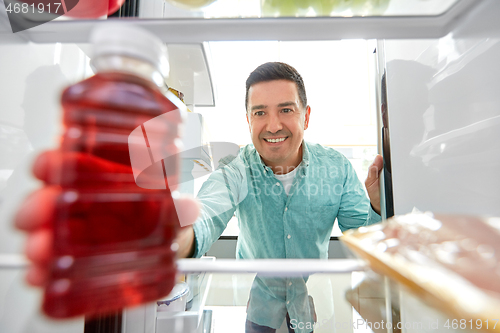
(442, 78)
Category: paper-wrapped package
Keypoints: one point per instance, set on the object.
(448, 261)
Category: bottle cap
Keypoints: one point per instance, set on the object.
(129, 40)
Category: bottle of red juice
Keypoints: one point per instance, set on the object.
(115, 220)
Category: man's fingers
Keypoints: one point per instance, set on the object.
(45, 163)
(37, 275)
(58, 167)
(372, 182)
(374, 169)
(373, 172)
(39, 246)
(38, 209)
(378, 162)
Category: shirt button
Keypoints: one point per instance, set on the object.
(277, 184)
(289, 236)
(286, 208)
(289, 283)
(287, 302)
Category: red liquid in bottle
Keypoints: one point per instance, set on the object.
(113, 238)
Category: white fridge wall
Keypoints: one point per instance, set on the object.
(444, 120)
(32, 78)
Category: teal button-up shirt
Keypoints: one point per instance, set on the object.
(276, 225)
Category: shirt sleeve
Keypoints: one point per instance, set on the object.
(218, 198)
(355, 209)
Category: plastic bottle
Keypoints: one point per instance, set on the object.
(116, 220)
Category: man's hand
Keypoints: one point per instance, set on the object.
(372, 182)
(37, 214)
(185, 239)
(188, 210)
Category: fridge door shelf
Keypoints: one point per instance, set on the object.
(196, 30)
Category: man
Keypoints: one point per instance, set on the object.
(285, 192)
(322, 182)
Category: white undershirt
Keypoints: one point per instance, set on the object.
(287, 179)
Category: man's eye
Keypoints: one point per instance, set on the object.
(259, 113)
(286, 110)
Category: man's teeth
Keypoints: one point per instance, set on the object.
(275, 140)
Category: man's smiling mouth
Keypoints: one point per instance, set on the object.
(275, 140)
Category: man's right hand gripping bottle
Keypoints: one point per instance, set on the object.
(115, 220)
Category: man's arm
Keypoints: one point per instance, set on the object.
(355, 209)
(218, 199)
(185, 239)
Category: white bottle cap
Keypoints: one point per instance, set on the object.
(129, 40)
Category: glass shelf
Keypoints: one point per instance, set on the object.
(244, 21)
(299, 8)
(341, 295)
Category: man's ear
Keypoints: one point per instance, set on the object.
(306, 121)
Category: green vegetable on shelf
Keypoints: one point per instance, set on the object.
(291, 8)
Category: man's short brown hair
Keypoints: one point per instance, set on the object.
(271, 71)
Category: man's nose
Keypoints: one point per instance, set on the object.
(274, 125)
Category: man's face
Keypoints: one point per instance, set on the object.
(277, 121)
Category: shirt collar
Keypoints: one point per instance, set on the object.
(267, 170)
(305, 154)
(305, 158)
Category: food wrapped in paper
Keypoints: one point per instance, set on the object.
(449, 261)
